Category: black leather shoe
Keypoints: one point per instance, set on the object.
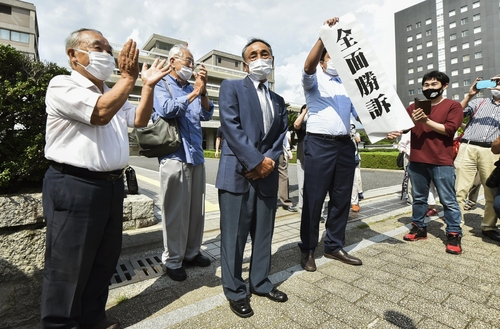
(492, 234)
(241, 307)
(290, 208)
(198, 260)
(177, 274)
(275, 295)
(344, 257)
(107, 323)
(307, 261)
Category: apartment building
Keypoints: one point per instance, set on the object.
(19, 26)
(453, 36)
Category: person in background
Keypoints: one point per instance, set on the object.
(218, 141)
(283, 183)
(300, 129)
(182, 173)
(474, 155)
(357, 172)
(83, 190)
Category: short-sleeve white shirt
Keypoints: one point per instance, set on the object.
(72, 139)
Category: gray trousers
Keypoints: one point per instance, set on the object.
(241, 214)
(183, 210)
(283, 181)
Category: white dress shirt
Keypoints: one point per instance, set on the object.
(72, 139)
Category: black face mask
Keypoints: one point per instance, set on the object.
(432, 93)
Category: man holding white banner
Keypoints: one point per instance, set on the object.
(328, 156)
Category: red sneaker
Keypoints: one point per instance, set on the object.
(431, 212)
(453, 245)
(416, 233)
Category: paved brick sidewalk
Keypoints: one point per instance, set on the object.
(400, 285)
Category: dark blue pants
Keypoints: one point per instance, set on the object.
(329, 167)
(84, 231)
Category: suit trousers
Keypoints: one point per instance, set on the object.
(329, 167)
(84, 237)
(471, 159)
(283, 192)
(242, 214)
(183, 210)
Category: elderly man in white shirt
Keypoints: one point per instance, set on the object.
(87, 143)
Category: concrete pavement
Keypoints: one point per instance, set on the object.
(399, 285)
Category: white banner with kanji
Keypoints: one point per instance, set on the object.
(375, 100)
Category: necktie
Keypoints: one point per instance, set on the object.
(266, 107)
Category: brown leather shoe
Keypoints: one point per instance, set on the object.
(307, 261)
(344, 257)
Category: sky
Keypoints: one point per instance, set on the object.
(290, 26)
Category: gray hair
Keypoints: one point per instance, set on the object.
(75, 39)
(177, 50)
(252, 41)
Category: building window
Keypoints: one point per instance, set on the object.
(476, 17)
(465, 33)
(5, 10)
(428, 32)
(219, 60)
(476, 4)
(408, 28)
(417, 25)
(419, 46)
(411, 92)
(465, 45)
(410, 49)
(453, 36)
(428, 44)
(411, 81)
(420, 57)
(410, 71)
(454, 73)
(463, 9)
(410, 38)
(14, 36)
(453, 25)
(478, 55)
(467, 82)
(419, 91)
(452, 13)
(454, 85)
(465, 58)
(236, 63)
(430, 55)
(420, 68)
(418, 36)
(428, 21)
(453, 49)
(455, 97)
(464, 21)
(430, 66)
(454, 60)
(410, 60)
(477, 29)
(466, 70)
(477, 42)
(479, 67)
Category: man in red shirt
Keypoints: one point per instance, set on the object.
(431, 159)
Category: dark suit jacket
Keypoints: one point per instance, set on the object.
(246, 145)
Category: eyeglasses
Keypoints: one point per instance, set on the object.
(189, 61)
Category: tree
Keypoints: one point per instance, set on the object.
(24, 84)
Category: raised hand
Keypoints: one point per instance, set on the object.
(151, 75)
(128, 60)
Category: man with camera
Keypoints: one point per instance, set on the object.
(475, 155)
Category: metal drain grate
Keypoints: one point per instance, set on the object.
(136, 270)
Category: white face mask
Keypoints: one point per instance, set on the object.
(101, 65)
(330, 69)
(185, 73)
(495, 93)
(260, 68)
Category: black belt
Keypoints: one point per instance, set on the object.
(482, 144)
(85, 173)
(332, 137)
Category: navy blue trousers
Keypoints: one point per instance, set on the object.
(328, 167)
(84, 232)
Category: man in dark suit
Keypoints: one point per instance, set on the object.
(254, 121)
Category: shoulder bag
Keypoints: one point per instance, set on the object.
(160, 138)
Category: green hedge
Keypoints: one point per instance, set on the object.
(370, 158)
